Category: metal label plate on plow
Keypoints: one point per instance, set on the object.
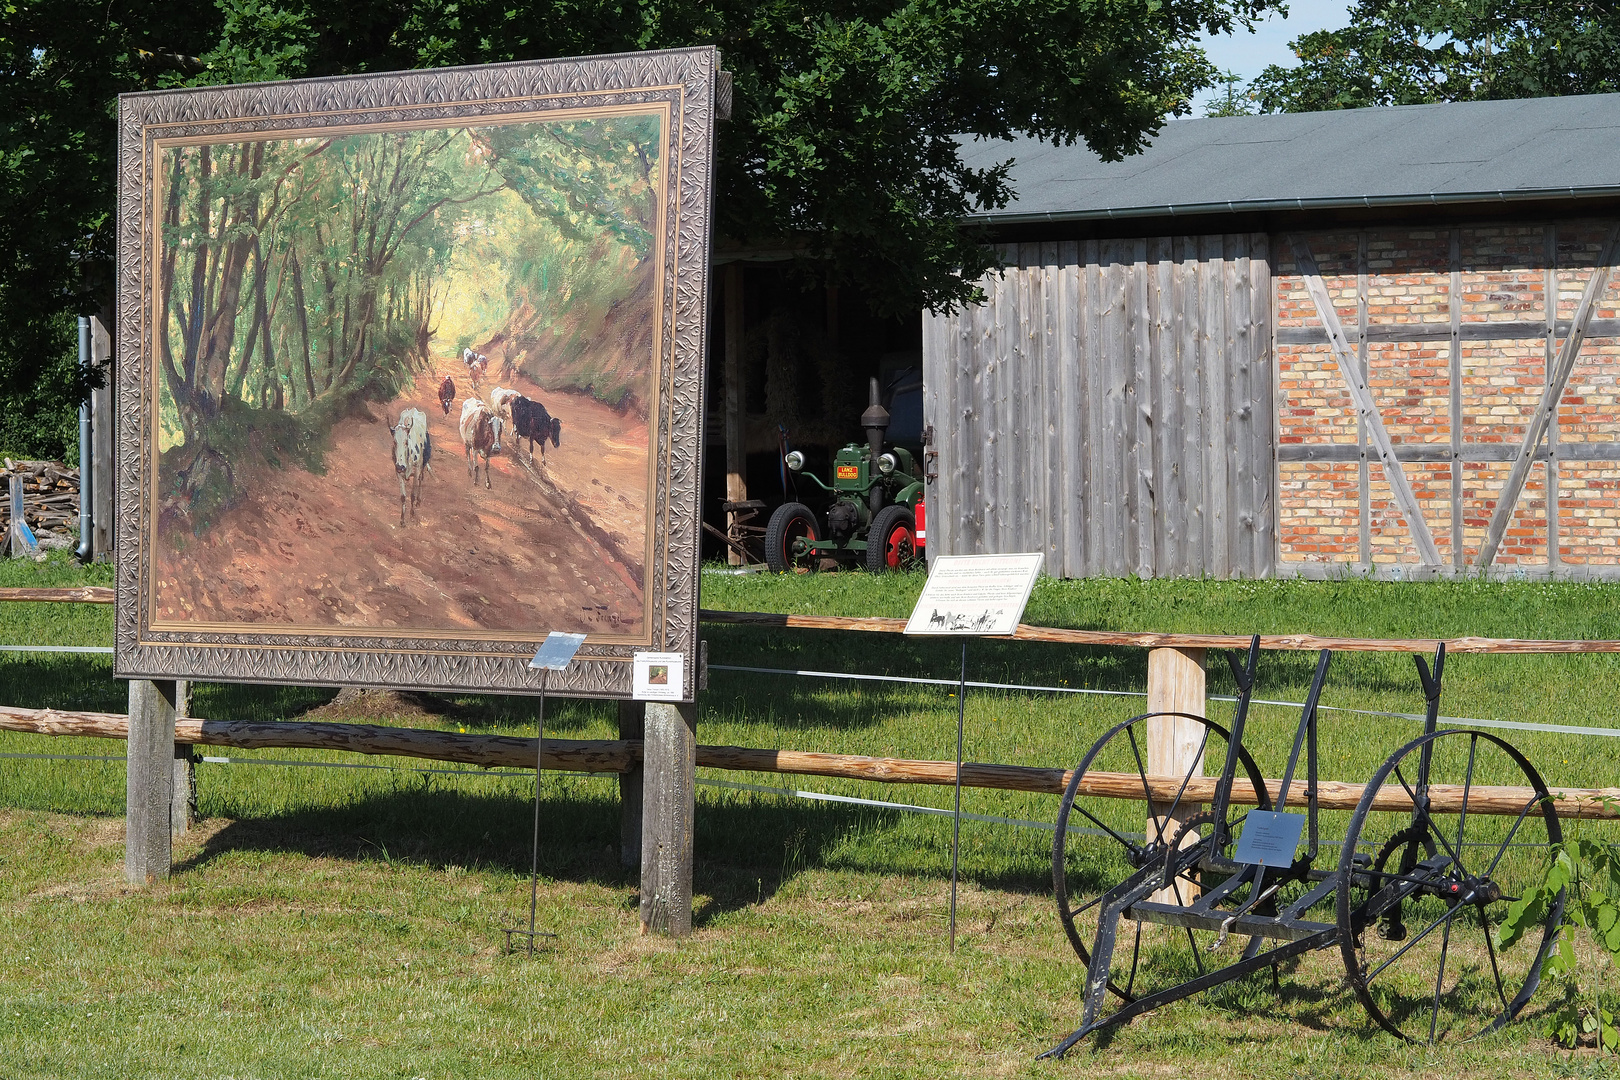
(1269, 837)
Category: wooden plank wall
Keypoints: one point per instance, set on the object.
(1110, 404)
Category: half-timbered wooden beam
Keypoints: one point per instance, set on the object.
(1547, 409)
(1361, 395)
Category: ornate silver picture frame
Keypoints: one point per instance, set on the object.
(410, 374)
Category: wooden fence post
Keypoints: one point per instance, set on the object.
(669, 773)
(183, 808)
(149, 773)
(1175, 683)
(632, 725)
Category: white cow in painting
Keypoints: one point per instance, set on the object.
(480, 434)
(413, 450)
(500, 399)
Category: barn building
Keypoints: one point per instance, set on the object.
(1379, 342)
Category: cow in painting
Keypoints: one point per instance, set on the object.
(481, 435)
(447, 394)
(531, 421)
(500, 399)
(413, 451)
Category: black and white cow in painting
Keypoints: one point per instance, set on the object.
(531, 421)
(480, 434)
(413, 450)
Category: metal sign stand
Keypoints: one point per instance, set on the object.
(554, 655)
(956, 831)
(971, 596)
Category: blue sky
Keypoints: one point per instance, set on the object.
(1249, 54)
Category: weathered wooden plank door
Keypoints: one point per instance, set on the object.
(1110, 404)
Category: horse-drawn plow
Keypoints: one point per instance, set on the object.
(1448, 832)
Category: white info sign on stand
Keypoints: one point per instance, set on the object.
(972, 596)
(975, 594)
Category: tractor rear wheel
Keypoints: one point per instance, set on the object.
(891, 544)
(789, 525)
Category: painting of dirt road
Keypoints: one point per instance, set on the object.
(406, 379)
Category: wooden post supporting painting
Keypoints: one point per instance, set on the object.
(1175, 683)
(669, 764)
(149, 794)
(632, 726)
(183, 804)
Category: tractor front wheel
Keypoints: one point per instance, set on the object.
(791, 531)
(892, 542)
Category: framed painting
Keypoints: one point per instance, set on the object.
(410, 372)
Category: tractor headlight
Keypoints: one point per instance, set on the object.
(794, 460)
(887, 464)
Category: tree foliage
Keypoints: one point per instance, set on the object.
(1409, 52)
(1585, 876)
(843, 143)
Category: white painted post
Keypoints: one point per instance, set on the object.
(1175, 683)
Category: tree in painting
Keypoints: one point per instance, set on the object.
(311, 289)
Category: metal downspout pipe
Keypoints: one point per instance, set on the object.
(86, 549)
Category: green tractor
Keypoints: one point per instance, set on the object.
(876, 517)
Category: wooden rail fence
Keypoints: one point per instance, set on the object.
(620, 755)
(93, 594)
(1286, 642)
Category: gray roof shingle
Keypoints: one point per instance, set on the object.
(1475, 151)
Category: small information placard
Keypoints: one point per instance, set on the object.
(657, 676)
(1269, 837)
(975, 594)
(556, 651)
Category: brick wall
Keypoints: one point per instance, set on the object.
(1504, 272)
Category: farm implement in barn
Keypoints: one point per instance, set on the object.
(1447, 834)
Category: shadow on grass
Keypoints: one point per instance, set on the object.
(795, 702)
(745, 852)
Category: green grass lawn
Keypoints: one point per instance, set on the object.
(346, 922)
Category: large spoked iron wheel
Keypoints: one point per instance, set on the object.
(1421, 909)
(791, 530)
(1100, 841)
(892, 542)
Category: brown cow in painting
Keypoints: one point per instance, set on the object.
(481, 434)
(447, 394)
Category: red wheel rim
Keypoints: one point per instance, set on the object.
(900, 546)
(799, 530)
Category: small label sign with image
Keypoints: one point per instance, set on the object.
(658, 676)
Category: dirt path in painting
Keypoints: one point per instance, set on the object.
(557, 544)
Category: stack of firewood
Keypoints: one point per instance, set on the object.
(50, 500)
